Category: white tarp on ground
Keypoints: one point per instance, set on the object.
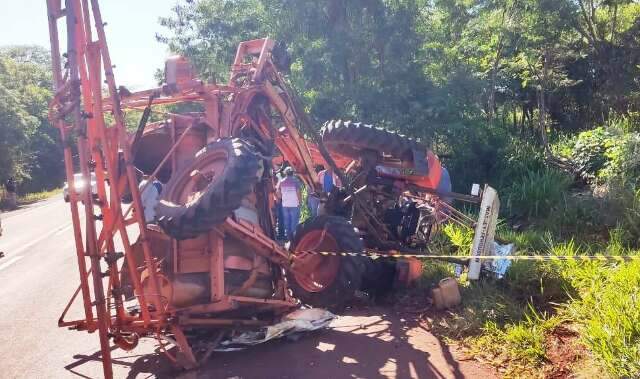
(301, 320)
(500, 266)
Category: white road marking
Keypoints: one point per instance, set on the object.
(38, 240)
(63, 229)
(9, 262)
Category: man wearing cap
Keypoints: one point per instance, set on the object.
(289, 191)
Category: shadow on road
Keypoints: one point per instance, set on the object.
(368, 343)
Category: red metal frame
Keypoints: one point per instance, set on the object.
(79, 110)
(91, 118)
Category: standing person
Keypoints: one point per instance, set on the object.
(289, 191)
(313, 200)
(328, 179)
(10, 186)
(149, 197)
(280, 235)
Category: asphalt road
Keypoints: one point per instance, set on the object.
(38, 275)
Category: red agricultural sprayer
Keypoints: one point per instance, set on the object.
(208, 263)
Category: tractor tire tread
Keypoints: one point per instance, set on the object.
(343, 136)
(341, 292)
(183, 221)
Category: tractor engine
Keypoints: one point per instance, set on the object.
(394, 181)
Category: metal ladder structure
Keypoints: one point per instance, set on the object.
(100, 142)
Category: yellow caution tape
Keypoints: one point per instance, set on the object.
(604, 258)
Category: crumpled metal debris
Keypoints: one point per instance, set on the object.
(298, 321)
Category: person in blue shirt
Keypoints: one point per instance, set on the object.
(328, 179)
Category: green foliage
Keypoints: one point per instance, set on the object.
(347, 56)
(624, 205)
(529, 240)
(536, 282)
(460, 237)
(433, 272)
(608, 153)
(517, 159)
(483, 302)
(521, 345)
(591, 149)
(537, 194)
(28, 148)
(608, 312)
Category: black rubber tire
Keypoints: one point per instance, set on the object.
(378, 278)
(341, 291)
(220, 198)
(350, 138)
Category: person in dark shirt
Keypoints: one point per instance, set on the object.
(10, 186)
(313, 200)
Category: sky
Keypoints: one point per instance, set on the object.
(131, 29)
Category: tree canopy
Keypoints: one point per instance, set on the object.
(459, 73)
(413, 64)
(28, 148)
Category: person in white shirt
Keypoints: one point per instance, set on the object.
(289, 191)
(149, 197)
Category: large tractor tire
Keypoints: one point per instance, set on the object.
(204, 193)
(352, 138)
(327, 281)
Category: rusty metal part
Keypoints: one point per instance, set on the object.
(236, 268)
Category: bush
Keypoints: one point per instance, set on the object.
(590, 149)
(623, 165)
(607, 154)
(537, 194)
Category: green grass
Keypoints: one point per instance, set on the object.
(505, 322)
(38, 196)
(607, 309)
(29, 198)
(537, 194)
(546, 211)
(518, 348)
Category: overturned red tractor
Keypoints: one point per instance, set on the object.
(209, 262)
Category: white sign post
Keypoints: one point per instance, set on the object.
(485, 230)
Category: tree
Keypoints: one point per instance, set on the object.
(28, 148)
(351, 59)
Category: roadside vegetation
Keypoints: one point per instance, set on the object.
(550, 319)
(28, 198)
(29, 147)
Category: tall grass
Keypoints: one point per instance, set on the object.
(607, 309)
(507, 321)
(537, 194)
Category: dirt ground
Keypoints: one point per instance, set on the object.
(370, 342)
